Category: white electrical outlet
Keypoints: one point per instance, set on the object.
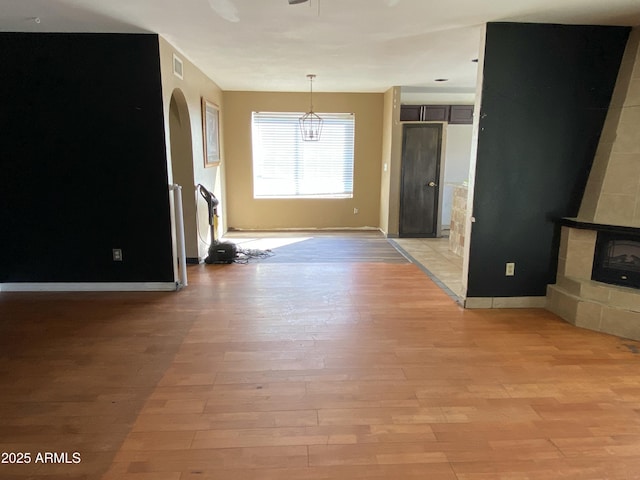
(117, 255)
(510, 269)
(355, 211)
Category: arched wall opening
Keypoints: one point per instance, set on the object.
(182, 167)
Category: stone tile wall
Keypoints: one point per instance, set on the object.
(458, 220)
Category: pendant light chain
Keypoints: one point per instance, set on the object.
(311, 77)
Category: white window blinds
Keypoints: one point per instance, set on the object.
(286, 166)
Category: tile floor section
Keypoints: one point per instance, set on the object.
(435, 258)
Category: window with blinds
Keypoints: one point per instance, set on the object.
(286, 166)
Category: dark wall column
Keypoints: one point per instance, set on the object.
(546, 91)
(82, 159)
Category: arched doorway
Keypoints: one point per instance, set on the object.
(182, 168)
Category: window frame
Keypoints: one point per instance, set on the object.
(284, 166)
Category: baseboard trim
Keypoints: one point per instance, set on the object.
(505, 302)
(90, 287)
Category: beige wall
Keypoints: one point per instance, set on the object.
(194, 85)
(245, 212)
(391, 164)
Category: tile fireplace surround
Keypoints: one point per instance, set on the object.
(611, 200)
(585, 302)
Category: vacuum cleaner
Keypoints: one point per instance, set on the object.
(219, 252)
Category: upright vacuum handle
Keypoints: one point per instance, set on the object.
(212, 202)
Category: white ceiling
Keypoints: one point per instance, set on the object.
(351, 45)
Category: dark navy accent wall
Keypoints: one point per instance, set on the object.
(82, 159)
(546, 91)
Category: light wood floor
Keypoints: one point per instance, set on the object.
(339, 370)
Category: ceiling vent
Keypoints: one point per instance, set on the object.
(177, 66)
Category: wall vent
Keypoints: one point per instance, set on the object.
(177, 66)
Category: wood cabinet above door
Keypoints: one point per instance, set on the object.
(461, 114)
(435, 113)
(410, 113)
(455, 114)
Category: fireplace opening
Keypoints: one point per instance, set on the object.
(617, 259)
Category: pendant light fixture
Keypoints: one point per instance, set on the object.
(310, 123)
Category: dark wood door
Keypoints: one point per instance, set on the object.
(421, 147)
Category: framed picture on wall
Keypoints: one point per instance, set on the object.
(211, 133)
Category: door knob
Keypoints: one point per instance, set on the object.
(432, 184)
